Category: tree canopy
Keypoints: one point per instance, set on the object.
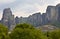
(3, 32)
(54, 34)
(26, 31)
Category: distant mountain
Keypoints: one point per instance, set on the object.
(52, 14)
(35, 19)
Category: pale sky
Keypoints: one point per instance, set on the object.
(26, 7)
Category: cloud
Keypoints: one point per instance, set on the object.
(27, 7)
(6, 1)
(0, 15)
(25, 10)
(57, 2)
(20, 13)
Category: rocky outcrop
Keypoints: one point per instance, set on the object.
(44, 19)
(17, 20)
(8, 18)
(58, 11)
(35, 19)
(23, 19)
(51, 13)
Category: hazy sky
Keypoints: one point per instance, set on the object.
(26, 7)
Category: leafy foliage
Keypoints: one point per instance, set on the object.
(3, 32)
(53, 34)
(26, 31)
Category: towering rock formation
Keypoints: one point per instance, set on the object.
(44, 19)
(58, 11)
(8, 19)
(35, 19)
(51, 13)
(17, 20)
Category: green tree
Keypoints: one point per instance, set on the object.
(26, 31)
(3, 32)
(53, 34)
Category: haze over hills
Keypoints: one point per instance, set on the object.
(52, 14)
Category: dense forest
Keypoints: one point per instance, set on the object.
(27, 31)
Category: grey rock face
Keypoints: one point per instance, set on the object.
(8, 19)
(35, 19)
(44, 19)
(23, 19)
(17, 20)
(51, 13)
(58, 11)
